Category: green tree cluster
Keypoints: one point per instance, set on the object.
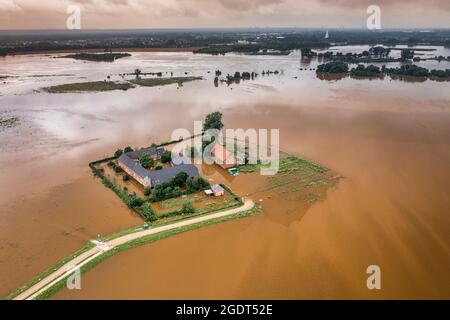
(166, 156)
(188, 208)
(146, 160)
(213, 121)
(197, 184)
(363, 71)
(148, 213)
(333, 67)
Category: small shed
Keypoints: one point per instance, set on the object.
(218, 190)
(209, 192)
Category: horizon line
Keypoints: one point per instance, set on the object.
(233, 28)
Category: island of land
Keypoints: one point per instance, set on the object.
(99, 86)
(97, 57)
(172, 197)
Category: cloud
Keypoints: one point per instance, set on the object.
(9, 5)
(222, 13)
(238, 5)
(405, 4)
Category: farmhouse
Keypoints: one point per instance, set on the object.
(155, 153)
(129, 162)
(223, 157)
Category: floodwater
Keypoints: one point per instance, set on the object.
(389, 140)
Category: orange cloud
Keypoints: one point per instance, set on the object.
(106, 14)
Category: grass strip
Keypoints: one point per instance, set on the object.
(145, 240)
(288, 164)
(96, 86)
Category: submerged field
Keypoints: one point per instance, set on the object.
(314, 238)
(154, 82)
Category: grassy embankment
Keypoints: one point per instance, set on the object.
(97, 57)
(101, 86)
(145, 240)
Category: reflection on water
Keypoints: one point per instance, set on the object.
(389, 139)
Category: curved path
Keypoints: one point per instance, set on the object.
(100, 247)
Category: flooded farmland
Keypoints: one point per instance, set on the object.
(389, 141)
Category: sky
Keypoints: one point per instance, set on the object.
(132, 14)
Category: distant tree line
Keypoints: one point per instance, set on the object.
(339, 67)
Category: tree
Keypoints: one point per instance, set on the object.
(146, 160)
(148, 213)
(333, 67)
(188, 208)
(213, 121)
(196, 184)
(306, 52)
(118, 153)
(137, 72)
(180, 179)
(158, 191)
(128, 149)
(407, 54)
(134, 200)
(166, 156)
(126, 177)
(246, 75)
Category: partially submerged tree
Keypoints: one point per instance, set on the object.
(407, 54)
(137, 72)
(213, 121)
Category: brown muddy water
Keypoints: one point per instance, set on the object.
(390, 140)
